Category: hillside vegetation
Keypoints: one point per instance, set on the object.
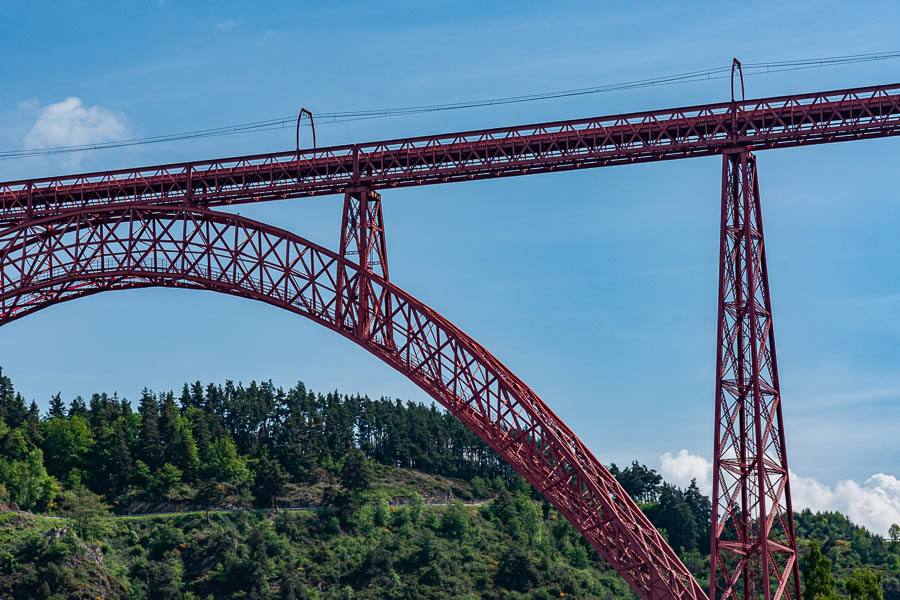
(366, 472)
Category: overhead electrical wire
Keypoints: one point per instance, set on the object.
(761, 68)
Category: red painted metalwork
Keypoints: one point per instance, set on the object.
(736, 66)
(54, 259)
(312, 125)
(781, 122)
(72, 236)
(362, 236)
(753, 541)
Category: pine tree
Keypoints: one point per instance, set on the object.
(178, 446)
(13, 409)
(12, 405)
(294, 447)
(32, 424)
(148, 439)
(356, 475)
(198, 422)
(185, 399)
(269, 482)
(197, 399)
(214, 399)
(57, 407)
(702, 510)
(674, 515)
(169, 433)
(77, 407)
(122, 468)
(188, 455)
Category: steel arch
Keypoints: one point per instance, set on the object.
(58, 258)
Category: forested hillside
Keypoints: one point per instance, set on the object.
(366, 471)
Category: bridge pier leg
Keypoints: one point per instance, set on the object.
(362, 305)
(753, 545)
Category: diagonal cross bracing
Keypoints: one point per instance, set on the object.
(777, 122)
(471, 382)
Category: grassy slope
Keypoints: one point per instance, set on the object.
(396, 483)
(376, 553)
(508, 548)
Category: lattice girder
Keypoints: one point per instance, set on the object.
(55, 259)
(674, 133)
(753, 540)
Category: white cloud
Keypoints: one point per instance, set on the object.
(227, 24)
(875, 505)
(70, 123)
(683, 467)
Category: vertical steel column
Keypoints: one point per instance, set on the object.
(753, 547)
(362, 241)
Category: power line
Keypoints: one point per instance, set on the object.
(749, 69)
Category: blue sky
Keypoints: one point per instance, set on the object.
(596, 287)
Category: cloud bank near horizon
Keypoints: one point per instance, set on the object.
(875, 504)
